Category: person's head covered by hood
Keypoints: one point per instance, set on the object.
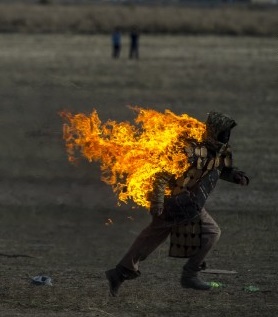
(218, 128)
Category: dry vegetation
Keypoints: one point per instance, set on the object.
(235, 20)
(55, 212)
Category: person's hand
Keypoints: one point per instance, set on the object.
(244, 181)
(241, 179)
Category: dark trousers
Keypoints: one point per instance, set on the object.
(134, 52)
(116, 51)
(157, 232)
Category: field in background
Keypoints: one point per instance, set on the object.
(53, 214)
(92, 19)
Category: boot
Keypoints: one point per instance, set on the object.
(190, 279)
(115, 279)
(117, 276)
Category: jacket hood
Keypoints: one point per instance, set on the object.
(218, 123)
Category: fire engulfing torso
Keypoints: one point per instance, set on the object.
(132, 155)
(161, 156)
(209, 160)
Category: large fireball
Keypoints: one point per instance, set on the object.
(132, 154)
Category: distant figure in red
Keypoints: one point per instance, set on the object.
(116, 43)
(134, 44)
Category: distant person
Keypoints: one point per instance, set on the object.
(134, 44)
(116, 43)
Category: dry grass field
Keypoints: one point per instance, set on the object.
(249, 20)
(53, 214)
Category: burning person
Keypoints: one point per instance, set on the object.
(182, 215)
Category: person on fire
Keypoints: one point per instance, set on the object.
(182, 215)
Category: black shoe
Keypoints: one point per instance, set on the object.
(115, 280)
(195, 283)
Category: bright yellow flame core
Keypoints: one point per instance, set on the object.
(131, 155)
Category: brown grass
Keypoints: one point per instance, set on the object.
(238, 20)
(56, 212)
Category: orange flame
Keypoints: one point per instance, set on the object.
(131, 155)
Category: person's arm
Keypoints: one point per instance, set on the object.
(232, 174)
(156, 197)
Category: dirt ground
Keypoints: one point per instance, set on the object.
(53, 215)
